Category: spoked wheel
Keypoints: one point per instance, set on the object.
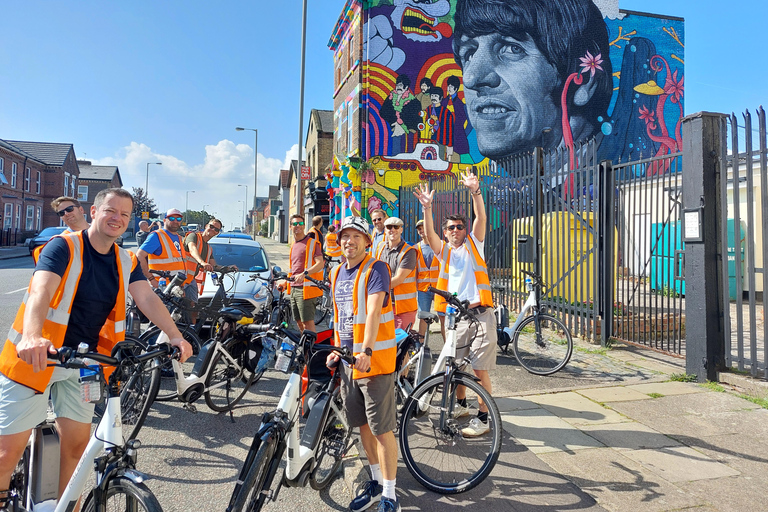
(125, 495)
(448, 458)
(228, 378)
(253, 494)
(542, 344)
(324, 308)
(330, 451)
(167, 386)
(20, 480)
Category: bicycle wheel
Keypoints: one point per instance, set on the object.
(228, 380)
(253, 493)
(124, 494)
(323, 309)
(330, 451)
(542, 344)
(441, 458)
(167, 386)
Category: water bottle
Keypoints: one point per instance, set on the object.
(450, 313)
(161, 283)
(528, 283)
(268, 349)
(90, 385)
(284, 356)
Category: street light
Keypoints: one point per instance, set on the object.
(255, 162)
(246, 202)
(241, 201)
(146, 184)
(186, 205)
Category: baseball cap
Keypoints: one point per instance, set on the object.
(420, 223)
(393, 221)
(173, 211)
(357, 223)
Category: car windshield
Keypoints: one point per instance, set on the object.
(52, 231)
(246, 258)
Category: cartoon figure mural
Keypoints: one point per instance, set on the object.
(451, 83)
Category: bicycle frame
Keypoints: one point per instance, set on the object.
(530, 303)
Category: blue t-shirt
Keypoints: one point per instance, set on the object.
(96, 293)
(342, 295)
(152, 244)
(428, 253)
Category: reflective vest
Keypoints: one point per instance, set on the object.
(316, 234)
(405, 297)
(170, 259)
(385, 348)
(310, 289)
(193, 267)
(478, 266)
(426, 276)
(59, 310)
(332, 247)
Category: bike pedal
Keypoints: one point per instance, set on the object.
(191, 408)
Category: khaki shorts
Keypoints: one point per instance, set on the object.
(478, 340)
(369, 401)
(22, 409)
(302, 309)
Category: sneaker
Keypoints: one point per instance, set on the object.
(475, 428)
(388, 505)
(459, 411)
(370, 494)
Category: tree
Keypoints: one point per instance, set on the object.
(141, 203)
(197, 217)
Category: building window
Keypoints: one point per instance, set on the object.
(72, 186)
(8, 216)
(37, 183)
(3, 180)
(66, 183)
(27, 178)
(82, 192)
(351, 52)
(14, 169)
(18, 216)
(39, 217)
(350, 147)
(30, 220)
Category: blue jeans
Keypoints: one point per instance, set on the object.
(425, 300)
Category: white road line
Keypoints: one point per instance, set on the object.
(16, 291)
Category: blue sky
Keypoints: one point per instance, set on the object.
(135, 82)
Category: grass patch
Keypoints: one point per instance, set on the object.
(713, 386)
(682, 377)
(762, 402)
(655, 395)
(599, 350)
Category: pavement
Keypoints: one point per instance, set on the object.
(19, 251)
(616, 431)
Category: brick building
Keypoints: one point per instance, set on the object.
(21, 189)
(93, 179)
(346, 44)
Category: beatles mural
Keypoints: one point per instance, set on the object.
(451, 83)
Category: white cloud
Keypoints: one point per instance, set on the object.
(214, 181)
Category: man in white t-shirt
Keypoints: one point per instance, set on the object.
(463, 271)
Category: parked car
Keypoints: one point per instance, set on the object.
(44, 236)
(251, 259)
(119, 241)
(235, 234)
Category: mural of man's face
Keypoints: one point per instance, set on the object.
(424, 87)
(399, 88)
(435, 99)
(451, 90)
(508, 86)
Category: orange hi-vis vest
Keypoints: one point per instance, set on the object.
(315, 233)
(310, 289)
(426, 276)
(385, 348)
(57, 319)
(478, 266)
(171, 259)
(332, 247)
(193, 267)
(404, 295)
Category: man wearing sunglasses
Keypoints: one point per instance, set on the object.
(463, 271)
(306, 260)
(163, 250)
(401, 259)
(377, 233)
(200, 256)
(69, 210)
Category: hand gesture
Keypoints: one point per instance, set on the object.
(34, 350)
(424, 195)
(469, 180)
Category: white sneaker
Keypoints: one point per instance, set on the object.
(475, 428)
(459, 411)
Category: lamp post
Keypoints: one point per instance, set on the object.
(245, 204)
(255, 163)
(241, 201)
(146, 184)
(186, 205)
(299, 187)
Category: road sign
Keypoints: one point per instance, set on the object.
(305, 172)
(145, 215)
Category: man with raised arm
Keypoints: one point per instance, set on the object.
(364, 322)
(463, 271)
(77, 294)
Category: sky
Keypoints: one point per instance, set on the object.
(143, 81)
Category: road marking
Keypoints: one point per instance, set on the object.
(16, 291)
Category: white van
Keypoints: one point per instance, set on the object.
(193, 227)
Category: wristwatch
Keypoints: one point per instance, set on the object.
(306, 273)
(368, 351)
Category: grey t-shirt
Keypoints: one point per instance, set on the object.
(390, 257)
(342, 295)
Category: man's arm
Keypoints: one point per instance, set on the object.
(154, 309)
(478, 204)
(192, 249)
(407, 265)
(372, 320)
(143, 258)
(33, 348)
(425, 196)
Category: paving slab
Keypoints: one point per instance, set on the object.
(668, 388)
(515, 404)
(576, 409)
(542, 431)
(620, 484)
(733, 494)
(655, 366)
(631, 435)
(613, 394)
(681, 464)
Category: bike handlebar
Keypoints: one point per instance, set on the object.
(452, 299)
(68, 357)
(320, 284)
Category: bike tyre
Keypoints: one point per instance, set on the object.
(149, 337)
(552, 354)
(243, 375)
(331, 434)
(138, 497)
(321, 311)
(415, 426)
(137, 396)
(251, 496)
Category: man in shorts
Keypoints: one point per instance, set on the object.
(164, 250)
(364, 322)
(200, 259)
(401, 259)
(463, 271)
(306, 260)
(77, 294)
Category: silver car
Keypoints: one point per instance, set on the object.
(251, 295)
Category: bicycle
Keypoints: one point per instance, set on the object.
(313, 456)
(541, 343)
(434, 450)
(118, 485)
(414, 359)
(325, 304)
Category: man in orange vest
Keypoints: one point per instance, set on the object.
(77, 294)
(332, 249)
(463, 271)
(164, 250)
(426, 276)
(316, 231)
(306, 257)
(199, 259)
(364, 322)
(402, 261)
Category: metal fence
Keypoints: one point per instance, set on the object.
(12, 236)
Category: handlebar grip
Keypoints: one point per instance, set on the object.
(444, 294)
(253, 328)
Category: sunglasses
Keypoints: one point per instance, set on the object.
(459, 227)
(218, 230)
(377, 220)
(297, 223)
(177, 219)
(68, 209)
(392, 227)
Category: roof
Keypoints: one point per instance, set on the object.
(285, 178)
(10, 147)
(50, 153)
(98, 172)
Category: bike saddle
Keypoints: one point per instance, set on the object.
(426, 315)
(234, 314)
